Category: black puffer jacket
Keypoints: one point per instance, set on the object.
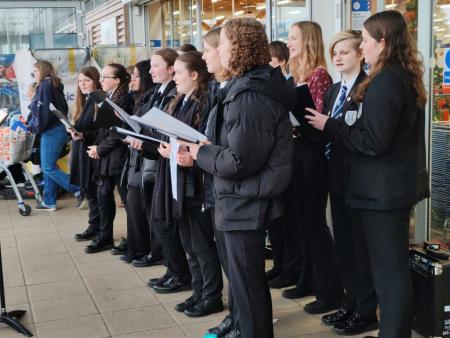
(251, 159)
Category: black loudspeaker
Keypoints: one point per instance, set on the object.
(431, 294)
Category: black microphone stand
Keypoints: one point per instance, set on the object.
(10, 318)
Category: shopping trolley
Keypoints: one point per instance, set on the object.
(16, 147)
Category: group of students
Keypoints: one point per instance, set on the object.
(279, 141)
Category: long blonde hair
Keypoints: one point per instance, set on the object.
(312, 53)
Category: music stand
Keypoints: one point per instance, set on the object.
(10, 318)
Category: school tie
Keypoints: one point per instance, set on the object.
(335, 114)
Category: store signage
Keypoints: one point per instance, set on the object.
(361, 11)
(446, 72)
(155, 43)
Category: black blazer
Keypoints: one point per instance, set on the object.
(386, 164)
(337, 163)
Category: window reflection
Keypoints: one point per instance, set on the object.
(37, 28)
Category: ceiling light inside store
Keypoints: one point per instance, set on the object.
(438, 20)
(260, 7)
(214, 1)
(239, 13)
(439, 29)
(391, 6)
(220, 17)
(445, 6)
(283, 2)
(176, 13)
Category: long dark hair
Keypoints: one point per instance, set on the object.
(80, 98)
(143, 68)
(194, 63)
(120, 72)
(399, 45)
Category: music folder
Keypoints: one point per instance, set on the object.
(126, 132)
(169, 126)
(124, 116)
(61, 117)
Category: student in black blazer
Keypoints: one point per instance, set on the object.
(358, 311)
(386, 168)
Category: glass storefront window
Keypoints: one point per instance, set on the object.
(179, 18)
(440, 124)
(216, 11)
(285, 13)
(37, 28)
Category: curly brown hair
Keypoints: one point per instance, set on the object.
(399, 45)
(250, 45)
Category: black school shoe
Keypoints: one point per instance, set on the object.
(233, 334)
(321, 306)
(86, 235)
(120, 249)
(334, 318)
(355, 324)
(157, 281)
(172, 285)
(98, 246)
(205, 307)
(225, 326)
(147, 260)
(191, 301)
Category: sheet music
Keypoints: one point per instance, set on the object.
(124, 116)
(61, 117)
(169, 126)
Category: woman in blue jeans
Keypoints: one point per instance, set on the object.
(49, 89)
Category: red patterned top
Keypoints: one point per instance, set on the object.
(318, 83)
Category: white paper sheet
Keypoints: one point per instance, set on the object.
(174, 146)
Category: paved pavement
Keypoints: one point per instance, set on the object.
(68, 293)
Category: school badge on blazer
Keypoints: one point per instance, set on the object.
(350, 117)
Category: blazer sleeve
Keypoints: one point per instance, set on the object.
(251, 136)
(382, 109)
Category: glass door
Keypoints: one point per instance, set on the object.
(440, 123)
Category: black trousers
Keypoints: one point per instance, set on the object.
(197, 236)
(360, 293)
(284, 234)
(219, 237)
(316, 242)
(173, 252)
(385, 234)
(251, 295)
(107, 204)
(141, 241)
(94, 212)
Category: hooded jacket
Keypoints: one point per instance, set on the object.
(251, 155)
(41, 117)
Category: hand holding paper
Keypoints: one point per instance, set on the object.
(317, 120)
(193, 148)
(184, 157)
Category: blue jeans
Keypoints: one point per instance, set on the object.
(52, 142)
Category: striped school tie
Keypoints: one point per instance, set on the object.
(336, 113)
